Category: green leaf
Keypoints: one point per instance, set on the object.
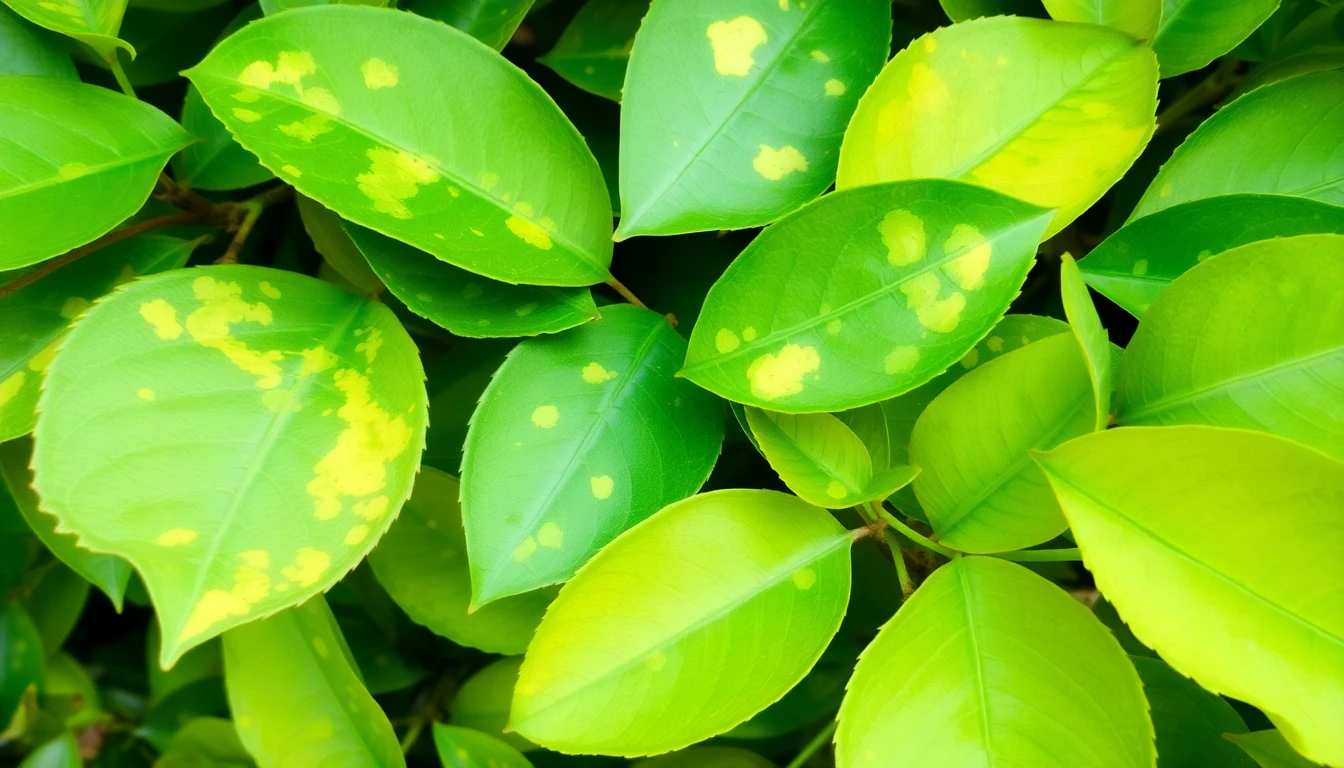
(382, 143)
(493, 22)
(1253, 338)
(1091, 335)
(1292, 125)
(1193, 33)
(75, 160)
(167, 41)
(805, 321)
(818, 694)
(707, 757)
(71, 696)
(973, 443)
(578, 437)
(457, 379)
(965, 10)
(482, 703)
(60, 752)
(1134, 265)
(1137, 18)
(93, 22)
(465, 303)
(990, 664)
(271, 7)
(422, 563)
(241, 435)
(203, 698)
(733, 112)
(22, 658)
(296, 698)
(330, 239)
(28, 50)
(37, 316)
(595, 47)
(206, 742)
(55, 604)
(674, 615)
(1189, 721)
(1314, 45)
(1061, 112)
(1181, 555)
(216, 162)
(200, 663)
(465, 748)
(1270, 750)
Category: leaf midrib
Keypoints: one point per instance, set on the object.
(985, 734)
(94, 170)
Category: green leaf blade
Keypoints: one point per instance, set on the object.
(95, 22)
(464, 748)
(1137, 18)
(493, 22)
(1091, 335)
(594, 49)
(26, 50)
(1193, 33)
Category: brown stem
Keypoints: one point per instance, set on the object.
(252, 209)
(625, 293)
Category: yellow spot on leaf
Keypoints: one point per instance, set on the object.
(733, 43)
(176, 537)
(523, 552)
(939, 315)
(530, 232)
(775, 376)
(307, 129)
(356, 535)
(145, 393)
(833, 327)
(320, 646)
(321, 100)
(316, 360)
(546, 416)
(372, 509)
(594, 373)
(1165, 191)
(371, 344)
(775, 164)
(251, 584)
(162, 318)
(930, 45)
(969, 360)
(551, 536)
(602, 486)
(835, 88)
(749, 334)
(290, 68)
(356, 466)
(783, 5)
(1141, 267)
(43, 358)
(379, 74)
(836, 490)
(821, 57)
(309, 565)
(726, 341)
(967, 270)
(903, 234)
(928, 92)
(211, 326)
(393, 178)
(804, 578)
(71, 171)
(74, 307)
(247, 97)
(291, 171)
(268, 290)
(900, 359)
(246, 115)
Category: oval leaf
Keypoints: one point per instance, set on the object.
(30, 51)
(595, 47)
(94, 22)
(216, 162)
(1193, 33)
(465, 748)
(61, 752)
(482, 703)
(493, 22)
(1270, 750)
(1137, 18)
(1091, 335)
(707, 757)
(1190, 722)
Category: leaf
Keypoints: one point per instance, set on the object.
(990, 664)
(1270, 750)
(1137, 18)
(1292, 125)
(1314, 45)
(493, 22)
(422, 563)
(296, 698)
(55, 604)
(167, 41)
(805, 321)
(200, 663)
(1091, 335)
(21, 658)
(216, 162)
(206, 742)
(271, 7)
(67, 145)
(381, 144)
(28, 50)
(965, 10)
(973, 443)
(1253, 338)
(674, 616)
(37, 316)
(817, 695)
(1061, 112)
(330, 239)
(203, 698)
(71, 697)
(1193, 33)
(241, 435)
(93, 22)
(1181, 557)
(465, 748)
(60, 752)
(578, 437)
(482, 703)
(707, 757)
(732, 116)
(1189, 721)
(595, 47)
(467, 304)
(1134, 265)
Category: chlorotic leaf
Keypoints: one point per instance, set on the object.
(330, 238)
(464, 748)
(1137, 18)
(594, 49)
(733, 114)
(990, 664)
(27, 50)
(1061, 112)
(1179, 556)
(1193, 33)
(493, 22)
(1189, 721)
(817, 695)
(94, 22)
(578, 437)
(482, 703)
(422, 563)
(805, 321)
(297, 699)
(1252, 338)
(173, 395)
(1270, 750)
(1087, 327)
(707, 757)
(381, 143)
(68, 146)
(673, 616)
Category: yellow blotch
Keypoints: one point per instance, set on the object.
(733, 43)
(74, 307)
(939, 315)
(523, 552)
(804, 578)
(309, 565)
(246, 115)
(145, 393)
(928, 92)
(162, 318)
(211, 326)
(321, 100)
(316, 360)
(307, 129)
(320, 646)
(821, 57)
(43, 358)
(247, 97)
(967, 270)
(833, 327)
(726, 341)
(969, 360)
(930, 45)
(529, 231)
(379, 74)
(774, 376)
(1165, 191)
(749, 334)
(836, 490)
(356, 466)
(71, 171)
(995, 344)
(372, 509)
(489, 181)
(291, 171)
(551, 536)
(901, 359)
(356, 535)
(251, 584)
(602, 486)
(290, 68)
(903, 234)
(1141, 267)
(393, 178)
(176, 537)
(268, 290)
(775, 164)
(783, 5)
(546, 416)
(371, 344)
(835, 88)
(594, 373)
(256, 558)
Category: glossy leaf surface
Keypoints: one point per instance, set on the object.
(1091, 335)
(464, 748)
(493, 22)
(1189, 721)
(330, 238)
(95, 22)
(27, 50)
(1137, 18)
(707, 757)
(1193, 33)
(216, 162)
(1270, 750)
(483, 701)
(595, 47)
(966, 10)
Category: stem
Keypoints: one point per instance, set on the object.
(114, 61)
(1207, 91)
(815, 744)
(625, 293)
(898, 557)
(428, 711)
(1040, 555)
(252, 208)
(913, 535)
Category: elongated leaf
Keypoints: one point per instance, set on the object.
(1252, 338)
(465, 303)
(26, 50)
(1177, 555)
(678, 615)
(1314, 45)
(493, 22)
(578, 437)
(1062, 111)
(22, 655)
(271, 7)
(60, 752)
(329, 236)
(296, 698)
(1270, 750)
(94, 22)
(465, 748)
(1091, 336)
(422, 563)
(37, 316)
(465, 167)
(707, 757)
(1189, 721)
(241, 435)
(66, 146)
(965, 10)
(1137, 18)
(1193, 33)
(990, 664)
(483, 701)
(55, 604)
(805, 321)
(595, 47)
(1292, 125)
(206, 742)
(733, 112)
(1134, 265)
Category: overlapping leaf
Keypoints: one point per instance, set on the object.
(28, 50)
(493, 22)
(1137, 18)
(1091, 335)
(1189, 722)
(1193, 33)
(464, 748)
(95, 22)
(483, 701)
(594, 49)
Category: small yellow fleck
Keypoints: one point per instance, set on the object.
(176, 537)
(995, 344)
(309, 564)
(655, 661)
(1141, 267)
(1165, 192)
(550, 535)
(594, 373)
(246, 115)
(836, 490)
(774, 376)
(11, 386)
(454, 191)
(71, 171)
(833, 327)
(523, 552)
(291, 171)
(783, 5)
(903, 234)
(268, 290)
(821, 57)
(733, 43)
(602, 486)
(74, 307)
(546, 416)
(247, 97)
(379, 74)
(162, 318)
(145, 393)
(371, 344)
(901, 359)
(726, 341)
(930, 45)
(372, 509)
(320, 646)
(307, 129)
(967, 270)
(477, 232)
(749, 334)
(969, 360)
(804, 578)
(489, 181)
(775, 164)
(529, 231)
(835, 88)
(356, 534)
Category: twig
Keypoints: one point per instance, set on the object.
(114, 62)
(625, 293)
(913, 535)
(252, 209)
(815, 744)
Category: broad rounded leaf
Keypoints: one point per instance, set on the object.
(990, 664)
(1193, 33)
(297, 699)
(1270, 750)
(1252, 338)
(422, 563)
(68, 146)
(707, 757)
(29, 51)
(94, 22)
(578, 437)
(1294, 128)
(241, 435)
(965, 10)
(593, 50)
(493, 22)
(1181, 555)
(483, 701)
(206, 742)
(1137, 18)
(734, 111)
(465, 748)
(807, 320)
(1189, 721)
(1060, 112)
(681, 614)
(1091, 335)
(351, 106)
